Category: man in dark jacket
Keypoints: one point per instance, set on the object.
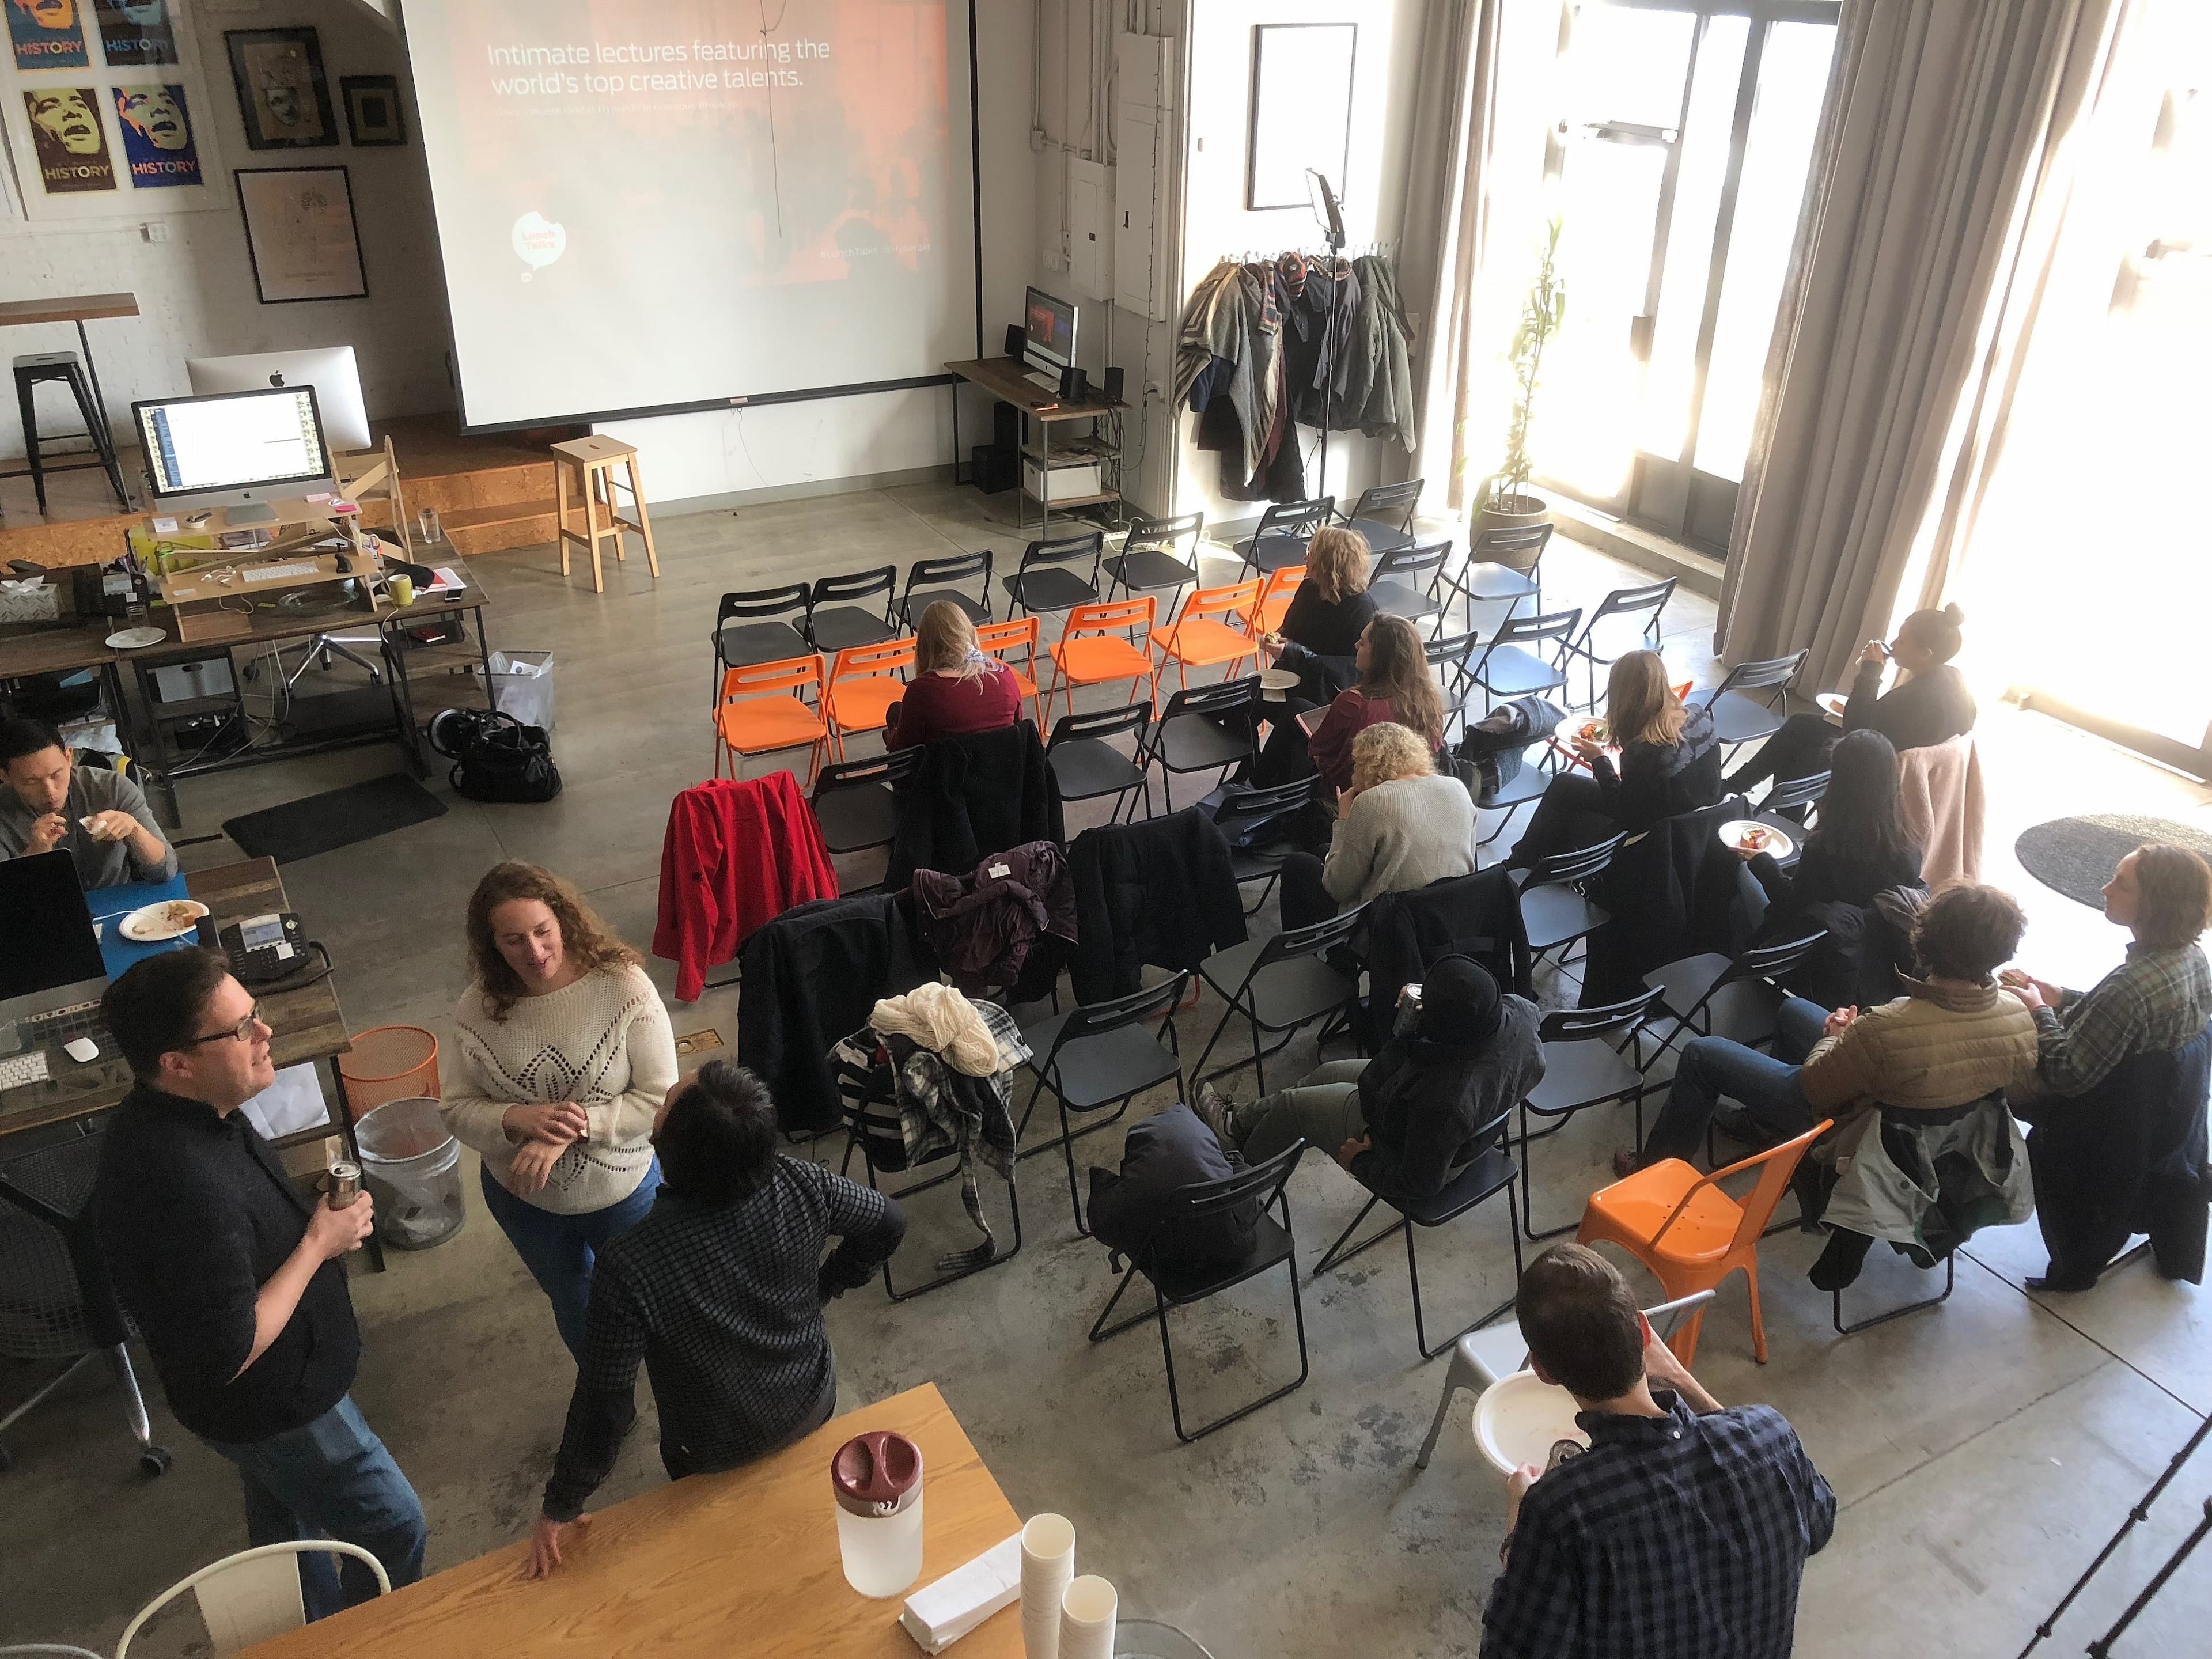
(237, 1282)
(1163, 1153)
(1402, 1123)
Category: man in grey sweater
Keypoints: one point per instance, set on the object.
(100, 817)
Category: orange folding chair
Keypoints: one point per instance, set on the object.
(759, 710)
(999, 639)
(1091, 650)
(1275, 598)
(864, 684)
(1195, 640)
(1682, 1226)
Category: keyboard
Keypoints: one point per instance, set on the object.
(278, 573)
(17, 1070)
(1047, 382)
(249, 513)
(60, 1024)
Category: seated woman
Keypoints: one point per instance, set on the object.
(1399, 825)
(2159, 997)
(1670, 764)
(1331, 609)
(1462, 1052)
(956, 688)
(1930, 704)
(1392, 683)
(1954, 1037)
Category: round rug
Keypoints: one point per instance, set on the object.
(2077, 856)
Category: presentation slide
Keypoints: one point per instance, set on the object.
(649, 203)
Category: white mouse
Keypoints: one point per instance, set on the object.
(83, 1050)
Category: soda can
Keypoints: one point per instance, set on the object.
(345, 1184)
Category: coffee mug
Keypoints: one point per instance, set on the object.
(402, 589)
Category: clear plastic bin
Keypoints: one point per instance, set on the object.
(411, 1166)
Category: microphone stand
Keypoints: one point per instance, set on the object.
(1333, 234)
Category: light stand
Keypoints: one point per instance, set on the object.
(1332, 223)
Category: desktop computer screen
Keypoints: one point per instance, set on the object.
(51, 943)
(238, 447)
(331, 370)
(1048, 333)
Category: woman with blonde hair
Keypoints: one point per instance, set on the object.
(563, 1054)
(957, 686)
(1399, 825)
(1328, 612)
(1670, 764)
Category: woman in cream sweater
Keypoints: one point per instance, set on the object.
(563, 1053)
(1401, 824)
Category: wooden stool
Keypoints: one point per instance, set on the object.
(594, 459)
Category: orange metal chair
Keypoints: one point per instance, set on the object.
(1092, 651)
(1195, 640)
(1275, 598)
(1000, 638)
(864, 684)
(1682, 1226)
(759, 710)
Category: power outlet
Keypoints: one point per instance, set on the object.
(155, 230)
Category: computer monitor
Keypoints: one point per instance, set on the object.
(331, 370)
(1047, 332)
(237, 450)
(51, 944)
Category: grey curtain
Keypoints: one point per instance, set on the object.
(1940, 118)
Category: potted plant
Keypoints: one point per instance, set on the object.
(1503, 500)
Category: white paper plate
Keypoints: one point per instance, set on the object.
(1601, 736)
(1832, 703)
(169, 919)
(137, 638)
(1518, 1419)
(1778, 842)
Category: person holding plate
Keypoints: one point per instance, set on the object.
(101, 816)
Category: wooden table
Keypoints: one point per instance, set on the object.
(79, 309)
(1006, 379)
(720, 1566)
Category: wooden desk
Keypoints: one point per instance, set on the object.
(720, 1566)
(1006, 379)
(79, 309)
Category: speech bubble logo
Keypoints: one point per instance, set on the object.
(538, 242)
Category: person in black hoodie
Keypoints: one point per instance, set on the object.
(1859, 848)
(1930, 704)
(1670, 764)
(1463, 1052)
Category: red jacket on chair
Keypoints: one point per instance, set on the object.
(736, 854)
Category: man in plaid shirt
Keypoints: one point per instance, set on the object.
(1682, 1532)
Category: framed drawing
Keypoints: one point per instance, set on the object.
(300, 234)
(371, 107)
(1301, 110)
(284, 96)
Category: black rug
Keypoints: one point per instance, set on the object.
(2077, 856)
(338, 818)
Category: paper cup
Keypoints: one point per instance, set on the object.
(1047, 1567)
(1086, 1618)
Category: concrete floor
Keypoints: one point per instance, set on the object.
(1981, 1451)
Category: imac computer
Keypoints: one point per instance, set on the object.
(1047, 337)
(330, 369)
(237, 450)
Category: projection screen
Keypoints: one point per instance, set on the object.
(646, 206)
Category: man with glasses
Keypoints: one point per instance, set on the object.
(237, 1283)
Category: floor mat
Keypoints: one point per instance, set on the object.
(338, 818)
(2077, 856)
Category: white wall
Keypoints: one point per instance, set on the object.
(196, 292)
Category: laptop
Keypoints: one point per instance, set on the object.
(51, 975)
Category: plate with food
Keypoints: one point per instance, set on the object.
(1832, 704)
(1276, 683)
(1749, 836)
(167, 919)
(135, 639)
(1593, 731)
(1521, 1418)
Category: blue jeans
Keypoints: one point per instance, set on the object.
(1765, 1084)
(559, 1249)
(333, 1478)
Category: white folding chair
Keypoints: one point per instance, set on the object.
(1482, 1358)
(252, 1595)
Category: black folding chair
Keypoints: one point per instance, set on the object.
(872, 1129)
(1555, 909)
(1510, 666)
(1490, 1172)
(1404, 583)
(852, 802)
(1246, 813)
(1583, 1067)
(1447, 660)
(1734, 997)
(1099, 1054)
(928, 580)
(1175, 1286)
(1649, 602)
(1741, 718)
(1203, 726)
(1788, 806)
(1053, 577)
(1526, 784)
(835, 623)
(1086, 766)
(1384, 514)
(1280, 984)
(1504, 566)
(740, 643)
(1284, 530)
(1157, 553)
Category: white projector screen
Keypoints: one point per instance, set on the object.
(648, 206)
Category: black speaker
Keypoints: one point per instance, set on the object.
(1113, 385)
(992, 469)
(1074, 385)
(1015, 339)
(1005, 426)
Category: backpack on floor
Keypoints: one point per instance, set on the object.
(496, 756)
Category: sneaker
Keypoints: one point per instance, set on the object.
(1213, 1111)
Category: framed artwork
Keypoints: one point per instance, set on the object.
(284, 96)
(300, 234)
(158, 147)
(134, 31)
(47, 34)
(69, 139)
(1301, 110)
(371, 107)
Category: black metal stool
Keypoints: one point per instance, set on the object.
(35, 368)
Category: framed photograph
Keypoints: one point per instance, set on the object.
(284, 96)
(300, 234)
(136, 32)
(1301, 110)
(371, 107)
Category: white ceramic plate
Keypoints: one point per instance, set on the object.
(137, 638)
(1777, 841)
(1832, 703)
(1518, 1419)
(1596, 732)
(1276, 683)
(170, 919)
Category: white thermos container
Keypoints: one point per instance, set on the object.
(877, 1478)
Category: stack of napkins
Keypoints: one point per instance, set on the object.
(938, 1614)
